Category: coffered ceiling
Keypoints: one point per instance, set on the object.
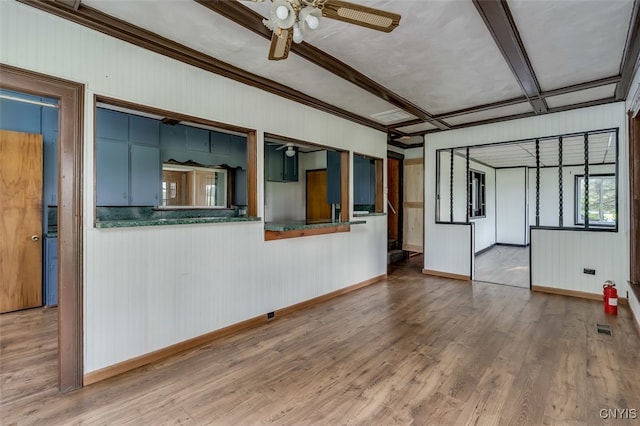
(449, 64)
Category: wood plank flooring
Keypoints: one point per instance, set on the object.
(411, 350)
(503, 265)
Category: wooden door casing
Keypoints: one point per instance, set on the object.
(21, 220)
(413, 205)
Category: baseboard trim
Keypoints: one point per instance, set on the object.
(446, 275)
(635, 322)
(485, 249)
(142, 360)
(574, 293)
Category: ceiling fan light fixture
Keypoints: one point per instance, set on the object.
(283, 15)
(310, 17)
(290, 152)
(297, 34)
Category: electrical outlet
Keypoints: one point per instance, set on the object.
(271, 315)
(589, 271)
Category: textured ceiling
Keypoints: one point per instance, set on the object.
(449, 63)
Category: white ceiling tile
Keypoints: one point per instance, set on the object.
(422, 127)
(572, 41)
(595, 93)
(520, 108)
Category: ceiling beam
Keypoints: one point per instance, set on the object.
(251, 20)
(497, 17)
(74, 4)
(107, 24)
(629, 63)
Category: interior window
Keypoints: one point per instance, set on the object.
(144, 160)
(478, 194)
(601, 200)
(367, 185)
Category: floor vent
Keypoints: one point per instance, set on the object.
(604, 329)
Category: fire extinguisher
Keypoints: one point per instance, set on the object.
(610, 298)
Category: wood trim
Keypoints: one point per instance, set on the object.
(133, 363)
(99, 21)
(326, 297)
(130, 364)
(446, 275)
(281, 235)
(252, 21)
(252, 173)
(70, 242)
(574, 293)
(344, 185)
(379, 190)
(412, 248)
(171, 117)
(634, 204)
(629, 63)
(413, 161)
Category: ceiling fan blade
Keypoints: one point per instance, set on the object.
(280, 44)
(361, 15)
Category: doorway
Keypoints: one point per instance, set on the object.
(21, 221)
(70, 96)
(317, 208)
(394, 207)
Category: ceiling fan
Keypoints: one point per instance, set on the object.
(289, 20)
(291, 151)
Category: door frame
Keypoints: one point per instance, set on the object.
(70, 241)
(399, 209)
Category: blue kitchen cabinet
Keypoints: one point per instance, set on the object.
(274, 163)
(112, 173)
(241, 188)
(146, 175)
(197, 139)
(50, 271)
(333, 177)
(363, 180)
(144, 131)
(290, 172)
(112, 125)
(173, 137)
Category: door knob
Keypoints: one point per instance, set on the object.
(35, 238)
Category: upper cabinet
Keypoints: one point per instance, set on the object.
(364, 179)
(333, 177)
(128, 168)
(278, 166)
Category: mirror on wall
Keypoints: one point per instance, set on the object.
(192, 186)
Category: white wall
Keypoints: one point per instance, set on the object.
(578, 245)
(147, 288)
(511, 208)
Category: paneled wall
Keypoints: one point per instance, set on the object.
(147, 288)
(579, 247)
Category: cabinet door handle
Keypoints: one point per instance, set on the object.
(35, 238)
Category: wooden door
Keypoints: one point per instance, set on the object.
(413, 206)
(318, 209)
(20, 221)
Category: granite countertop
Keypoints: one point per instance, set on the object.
(174, 221)
(301, 224)
(368, 214)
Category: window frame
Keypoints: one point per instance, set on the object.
(480, 193)
(178, 118)
(577, 201)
